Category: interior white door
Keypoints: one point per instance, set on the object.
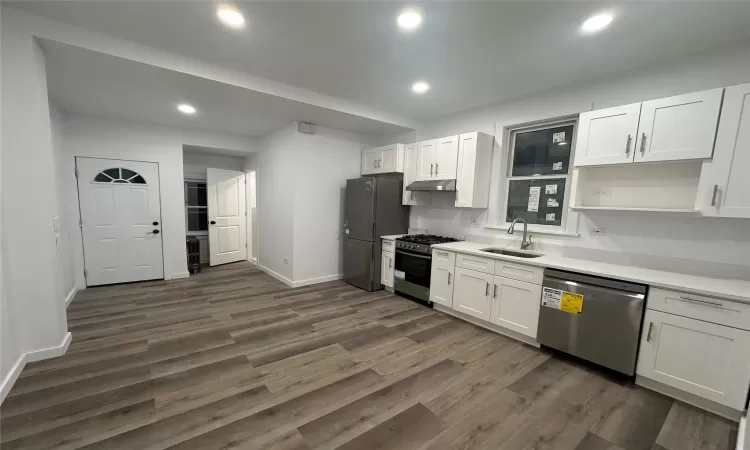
(226, 216)
(120, 220)
(472, 293)
(607, 136)
(680, 127)
(426, 159)
(729, 191)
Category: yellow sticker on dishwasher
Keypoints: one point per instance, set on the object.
(571, 303)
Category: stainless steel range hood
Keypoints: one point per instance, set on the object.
(432, 185)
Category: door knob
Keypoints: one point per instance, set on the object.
(155, 223)
(213, 222)
(156, 231)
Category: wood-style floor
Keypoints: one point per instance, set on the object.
(232, 358)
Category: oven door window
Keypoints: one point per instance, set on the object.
(415, 267)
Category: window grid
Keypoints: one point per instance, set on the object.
(567, 176)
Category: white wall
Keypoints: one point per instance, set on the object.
(196, 163)
(66, 279)
(33, 313)
(300, 181)
(704, 239)
(327, 159)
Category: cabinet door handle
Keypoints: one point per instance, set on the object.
(449, 278)
(390, 263)
(650, 329)
(494, 292)
(705, 302)
(713, 197)
(627, 145)
(431, 169)
(643, 143)
(436, 169)
(487, 290)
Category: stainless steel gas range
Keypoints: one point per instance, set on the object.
(411, 275)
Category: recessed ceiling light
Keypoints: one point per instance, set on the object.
(409, 20)
(231, 16)
(596, 23)
(185, 108)
(420, 87)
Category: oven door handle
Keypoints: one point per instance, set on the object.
(413, 254)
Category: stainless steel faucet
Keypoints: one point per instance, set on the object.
(525, 242)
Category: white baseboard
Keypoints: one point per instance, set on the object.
(178, 275)
(50, 352)
(12, 376)
(36, 355)
(317, 280)
(743, 438)
(71, 295)
(278, 276)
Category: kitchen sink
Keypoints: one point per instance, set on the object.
(500, 251)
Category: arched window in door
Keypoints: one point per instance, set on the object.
(119, 175)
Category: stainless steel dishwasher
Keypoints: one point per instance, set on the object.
(596, 319)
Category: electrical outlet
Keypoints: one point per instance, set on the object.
(599, 231)
(286, 260)
(604, 193)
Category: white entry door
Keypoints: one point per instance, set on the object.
(226, 216)
(120, 220)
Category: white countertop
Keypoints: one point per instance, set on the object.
(729, 289)
(392, 237)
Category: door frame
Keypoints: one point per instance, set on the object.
(80, 216)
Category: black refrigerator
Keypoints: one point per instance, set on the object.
(372, 208)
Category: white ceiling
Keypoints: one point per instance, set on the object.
(472, 53)
(93, 83)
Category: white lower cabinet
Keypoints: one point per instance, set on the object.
(702, 358)
(472, 293)
(442, 279)
(386, 269)
(515, 305)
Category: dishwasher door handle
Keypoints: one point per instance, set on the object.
(650, 329)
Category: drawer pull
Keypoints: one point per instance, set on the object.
(705, 302)
(442, 254)
(650, 329)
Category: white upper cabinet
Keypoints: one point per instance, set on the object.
(678, 128)
(370, 161)
(386, 159)
(473, 170)
(607, 136)
(412, 198)
(437, 158)
(727, 193)
(669, 129)
(446, 158)
(472, 293)
(426, 153)
(391, 158)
